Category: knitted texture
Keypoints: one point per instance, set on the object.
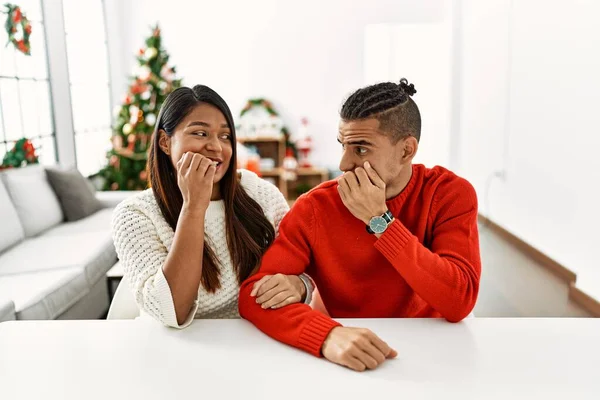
(143, 239)
(426, 264)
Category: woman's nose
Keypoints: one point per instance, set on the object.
(214, 145)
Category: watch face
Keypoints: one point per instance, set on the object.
(378, 224)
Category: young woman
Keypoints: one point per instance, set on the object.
(201, 229)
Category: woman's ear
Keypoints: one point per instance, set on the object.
(164, 141)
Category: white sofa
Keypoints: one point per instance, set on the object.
(51, 269)
(7, 310)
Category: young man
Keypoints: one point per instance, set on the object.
(388, 239)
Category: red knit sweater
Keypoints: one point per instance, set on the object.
(426, 264)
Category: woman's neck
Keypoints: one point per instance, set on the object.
(216, 193)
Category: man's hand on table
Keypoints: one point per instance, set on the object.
(356, 348)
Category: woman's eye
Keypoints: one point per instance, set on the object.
(200, 133)
(226, 136)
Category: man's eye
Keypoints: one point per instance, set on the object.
(361, 151)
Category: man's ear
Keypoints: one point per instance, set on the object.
(164, 141)
(411, 145)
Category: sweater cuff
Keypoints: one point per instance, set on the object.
(165, 301)
(315, 332)
(393, 240)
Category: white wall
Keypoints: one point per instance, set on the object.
(304, 56)
(517, 116)
(59, 81)
(118, 23)
(423, 54)
(529, 109)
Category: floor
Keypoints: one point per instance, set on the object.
(512, 285)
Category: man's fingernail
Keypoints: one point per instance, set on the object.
(367, 164)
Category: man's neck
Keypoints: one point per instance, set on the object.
(395, 188)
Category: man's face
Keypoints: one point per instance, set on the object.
(363, 141)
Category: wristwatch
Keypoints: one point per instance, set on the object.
(379, 224)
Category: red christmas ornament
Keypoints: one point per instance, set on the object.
(17, 15)
(143, 175)
(21, 45)
(138, 87)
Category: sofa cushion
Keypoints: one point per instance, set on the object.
(35, 201)
(97, 222)
(111, 199)
(7, 310)
(11, 231)
(47, 294)
(94, 252)
(77, 198)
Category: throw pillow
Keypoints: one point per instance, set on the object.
(77, 198)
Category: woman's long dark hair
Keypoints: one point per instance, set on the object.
(249, 233)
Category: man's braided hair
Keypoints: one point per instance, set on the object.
(391, 104)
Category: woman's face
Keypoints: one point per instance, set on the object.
(204, 131)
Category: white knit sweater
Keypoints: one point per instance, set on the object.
(143, 239)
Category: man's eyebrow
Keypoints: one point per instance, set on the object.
(356, 142)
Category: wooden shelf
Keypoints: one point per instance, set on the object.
(311, 171)
(269, 173)
(274, 148)
(259, 139)
(300, 172)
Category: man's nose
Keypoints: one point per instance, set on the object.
(346, 163)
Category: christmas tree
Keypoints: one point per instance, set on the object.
(148, 89)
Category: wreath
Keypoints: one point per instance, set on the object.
(18, 28)
(268, 107)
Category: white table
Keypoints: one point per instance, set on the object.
(214, 359)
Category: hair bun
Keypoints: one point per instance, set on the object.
(406, 88)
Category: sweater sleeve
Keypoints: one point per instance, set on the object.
(143, 255)
(276, 207)
(275, 204)
(297, 325)
(446, 275)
